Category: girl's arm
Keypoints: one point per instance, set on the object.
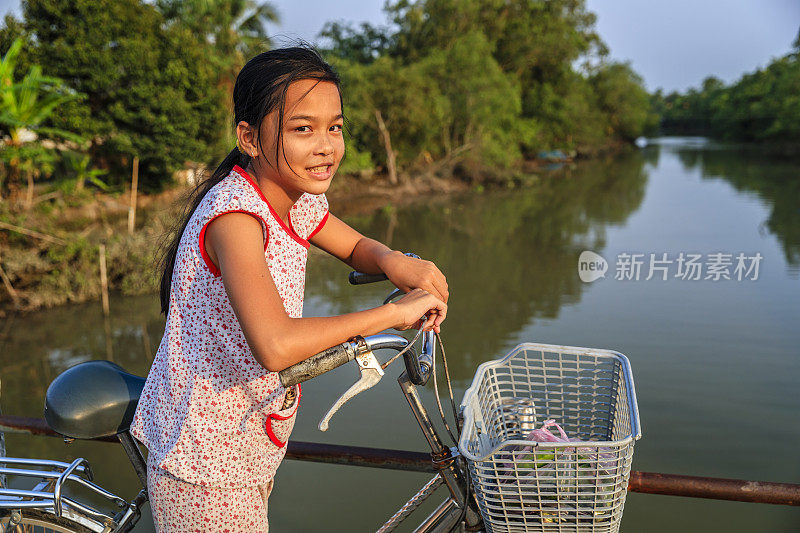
(235, 244)
(370, 256)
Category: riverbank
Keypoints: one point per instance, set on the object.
(50, 254)
(771, 148)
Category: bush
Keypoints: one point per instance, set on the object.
(148, 94)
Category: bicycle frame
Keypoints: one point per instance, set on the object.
(47, 495)
(446, 460)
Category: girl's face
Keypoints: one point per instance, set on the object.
(312, 145)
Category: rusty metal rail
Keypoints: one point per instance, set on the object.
(645, 482)
(738, 490)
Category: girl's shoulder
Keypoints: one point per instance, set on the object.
(233, 193)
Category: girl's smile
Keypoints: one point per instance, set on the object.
(310, 146)
(322, 172)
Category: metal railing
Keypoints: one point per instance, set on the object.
(645, 482)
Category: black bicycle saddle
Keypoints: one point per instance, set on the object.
(92, 399)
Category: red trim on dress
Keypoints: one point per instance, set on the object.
(319, 226)
(273, 416)
(209, 263)
(290, 231)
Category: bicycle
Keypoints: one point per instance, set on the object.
(98, 399)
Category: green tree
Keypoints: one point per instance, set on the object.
(235, 30)
(485, 104)
(532, 39)
(538, 42)
(25, 106)
(390, 110)
(361, 45)
(762, 106)
(148, 94)
(11, 30)
(81, 166)
(625, 103)
(453, 108)
(498, 80)
(567, 111)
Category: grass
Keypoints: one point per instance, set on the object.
(44, 273)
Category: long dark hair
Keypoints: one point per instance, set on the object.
(259, 90)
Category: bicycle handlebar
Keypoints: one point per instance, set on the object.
(360, 278)
(418, 368)
(318, 364)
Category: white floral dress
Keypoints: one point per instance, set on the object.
(210, 414)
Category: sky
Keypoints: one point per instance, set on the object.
(672, 44)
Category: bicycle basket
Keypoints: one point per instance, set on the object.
(522, 485)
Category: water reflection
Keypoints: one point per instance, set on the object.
(39, 346)
(509, 257)
(774, 180)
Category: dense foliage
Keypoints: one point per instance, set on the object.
(147, 94)
(477, 84)
(26, 103)
(761, 106)
(455, 86)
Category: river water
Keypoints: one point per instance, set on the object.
(716, 361)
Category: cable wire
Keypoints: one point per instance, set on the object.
(449, 386)
(457, 421)
(439, 403)
(441, 409)
(404, 350)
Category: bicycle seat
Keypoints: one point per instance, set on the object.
(92, 399)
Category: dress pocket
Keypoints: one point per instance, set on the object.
(281, 423)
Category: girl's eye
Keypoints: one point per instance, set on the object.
(336, 127)
(303, 128)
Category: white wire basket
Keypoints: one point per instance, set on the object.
(527, 486)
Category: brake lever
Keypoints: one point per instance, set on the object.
(371, 373)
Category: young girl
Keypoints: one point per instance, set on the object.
(213, 413)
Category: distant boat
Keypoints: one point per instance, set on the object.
(641, 142)
(553, 155)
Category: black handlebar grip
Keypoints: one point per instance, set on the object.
(317, 364)
(359, 278)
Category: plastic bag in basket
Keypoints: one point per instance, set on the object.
(538, 468)
(544, 434)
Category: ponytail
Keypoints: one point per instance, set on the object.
(167, 263)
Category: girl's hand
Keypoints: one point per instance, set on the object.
(414, 305)
(409, 273)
